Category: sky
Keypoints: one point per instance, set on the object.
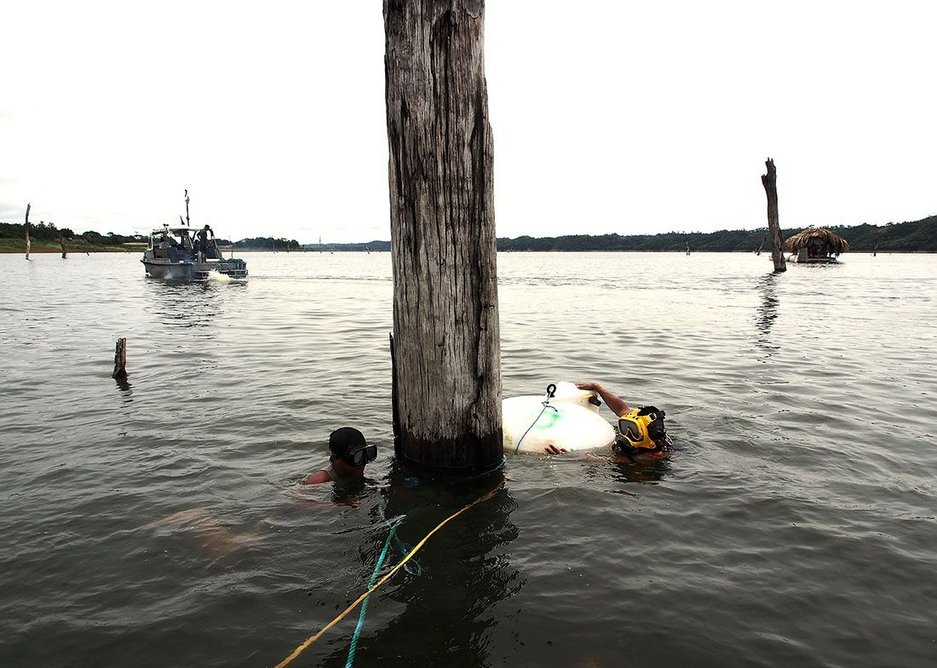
(608, 116)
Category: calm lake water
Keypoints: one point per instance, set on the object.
(162, 524)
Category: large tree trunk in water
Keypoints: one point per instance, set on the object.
(770, 182)
(446, 337)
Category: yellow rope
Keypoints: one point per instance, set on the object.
(311, 639)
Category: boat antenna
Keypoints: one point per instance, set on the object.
(186, 207)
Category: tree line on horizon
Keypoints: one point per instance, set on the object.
(267, 243)
(913, 236)
(43, 231)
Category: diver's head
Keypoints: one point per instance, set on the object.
(349, 445)
(642, 430)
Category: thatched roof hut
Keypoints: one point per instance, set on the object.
(817, 240)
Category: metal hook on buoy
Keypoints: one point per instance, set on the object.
(551, 390)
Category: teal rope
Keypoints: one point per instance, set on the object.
(412, 567)
(546, 405)
(364, 604)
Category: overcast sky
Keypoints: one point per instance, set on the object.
(608, 116)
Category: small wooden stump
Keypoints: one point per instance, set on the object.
(120, 359)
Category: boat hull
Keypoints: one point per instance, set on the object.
(187, 271)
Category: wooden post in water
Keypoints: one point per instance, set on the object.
(62, 244)
(446, 343)
(28, 243)
(120, 359)
(770, 182)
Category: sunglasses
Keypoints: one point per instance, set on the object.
(360, 456)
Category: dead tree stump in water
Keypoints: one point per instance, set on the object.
(120, 359)
(28, 242)
(446, 345)
(770, 182)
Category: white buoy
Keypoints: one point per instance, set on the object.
(568, 421)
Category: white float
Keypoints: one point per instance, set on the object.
(569, 421)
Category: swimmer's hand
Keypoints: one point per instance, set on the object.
(588, 386)
(553, 450)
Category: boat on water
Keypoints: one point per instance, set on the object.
(188, 254)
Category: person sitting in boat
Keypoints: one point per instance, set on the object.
(163, 245)
(641, 431)
(350, 453)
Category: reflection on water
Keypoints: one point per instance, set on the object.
(187, 322)
(767, 313)
(642, 470)
(349, 492)
(447, 589)
(126, 389)
(464, 570)
(188, 305)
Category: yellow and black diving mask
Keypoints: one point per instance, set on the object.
(643, 429)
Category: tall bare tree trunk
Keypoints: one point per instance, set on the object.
(447, 351)
(29, 244)
(770, 182)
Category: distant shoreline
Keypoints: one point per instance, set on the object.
(918, 236)
(83, 251)
(58, 250)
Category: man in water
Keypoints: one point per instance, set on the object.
(350, 453)
(641, 431)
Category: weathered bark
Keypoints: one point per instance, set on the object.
(120, 359)
(770, 182)
(446, 334)
(395, 412)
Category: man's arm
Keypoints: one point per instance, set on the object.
(615, 403)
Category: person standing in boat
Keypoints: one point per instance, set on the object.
(349, 454)
(203, 243)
